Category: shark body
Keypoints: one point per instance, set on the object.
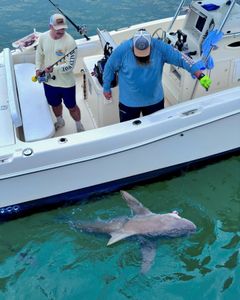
(144, 223)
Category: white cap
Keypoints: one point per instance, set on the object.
(58, 21)
(141, 43)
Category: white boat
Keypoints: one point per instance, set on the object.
(41, 168)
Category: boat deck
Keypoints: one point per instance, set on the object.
(87, 120)
(86, 113)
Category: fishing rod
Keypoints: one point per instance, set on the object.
(81, 29)
(45, 76)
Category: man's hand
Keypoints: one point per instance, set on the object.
(38, 73)
(107, 95)
(205, 81)
(48, 70)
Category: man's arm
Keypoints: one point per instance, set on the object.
(177, 58)
(39, 57)
(111, 67)
(108, 76)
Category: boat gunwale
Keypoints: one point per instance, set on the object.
(112, 152)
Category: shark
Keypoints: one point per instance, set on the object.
(143, 224)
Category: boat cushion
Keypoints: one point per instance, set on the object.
(11, 88)
(36, 116)
(7, 136)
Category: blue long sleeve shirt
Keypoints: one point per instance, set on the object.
(141, 85)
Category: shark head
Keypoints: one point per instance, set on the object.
(176, 226)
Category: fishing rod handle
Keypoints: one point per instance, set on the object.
(86, 37)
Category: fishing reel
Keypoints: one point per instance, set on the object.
(82, 29)
(44, 77)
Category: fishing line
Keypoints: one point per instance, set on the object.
(81, 29)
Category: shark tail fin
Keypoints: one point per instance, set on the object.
(117, 236)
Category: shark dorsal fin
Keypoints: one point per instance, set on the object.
(135, 205)
(117, 236)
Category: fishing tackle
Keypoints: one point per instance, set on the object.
(44, 77)
(99, 67)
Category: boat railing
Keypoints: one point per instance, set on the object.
(176, 15)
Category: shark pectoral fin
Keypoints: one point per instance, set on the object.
(117, 236)
(148, 250)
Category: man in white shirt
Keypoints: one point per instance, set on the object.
(60, 85)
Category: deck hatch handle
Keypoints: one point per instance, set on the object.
(190, 112)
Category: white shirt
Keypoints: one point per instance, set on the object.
(50, 50)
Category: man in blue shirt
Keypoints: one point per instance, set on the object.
(139, 63)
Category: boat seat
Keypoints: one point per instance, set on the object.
(36, 116)
(11, 93)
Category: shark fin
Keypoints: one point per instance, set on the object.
(148, 250)
(117, 236)
(135, 205)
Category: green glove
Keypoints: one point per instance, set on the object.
(205, 81)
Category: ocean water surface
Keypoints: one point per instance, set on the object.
(18, 18)
(43, 257)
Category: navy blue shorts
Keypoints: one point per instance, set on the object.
(55, 95)
(127, 113)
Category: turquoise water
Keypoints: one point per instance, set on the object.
(43, 257)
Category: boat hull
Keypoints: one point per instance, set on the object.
(23, 209)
